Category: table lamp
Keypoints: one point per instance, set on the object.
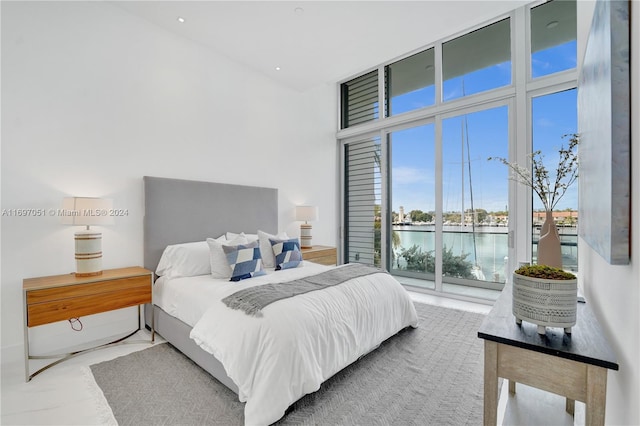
(306, 213)
(85, 211)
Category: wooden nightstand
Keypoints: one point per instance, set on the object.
(67, 297)
(324, 255)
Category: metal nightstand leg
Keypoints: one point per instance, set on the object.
(65, 356)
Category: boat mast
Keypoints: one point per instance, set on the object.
(462, 178)
(465, 138)
(473, 211)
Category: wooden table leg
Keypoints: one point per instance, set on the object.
(490, 383)
(512, 387)
(596, 395)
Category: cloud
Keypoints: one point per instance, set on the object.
(545, 122)
(454, 93)
(538, 64)
(504, 66)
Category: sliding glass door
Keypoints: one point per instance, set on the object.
(428, 201)
(411, 177)
(475, 198)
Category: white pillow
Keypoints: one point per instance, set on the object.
(249, 237)
(268, 258)
(185, 260)
(218, 265)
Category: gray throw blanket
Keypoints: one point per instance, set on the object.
(252, 300)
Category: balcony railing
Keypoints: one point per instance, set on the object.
(474, 258)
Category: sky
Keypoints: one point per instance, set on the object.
(486, 133)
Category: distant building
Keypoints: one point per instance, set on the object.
(561, 218)
(498, 219)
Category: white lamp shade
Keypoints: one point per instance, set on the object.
(86, 211)
(306, 213)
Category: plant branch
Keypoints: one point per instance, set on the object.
(538, 179)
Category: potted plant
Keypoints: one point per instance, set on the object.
(540, 181)
(545, 296)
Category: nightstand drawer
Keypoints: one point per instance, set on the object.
(324, 255)
(324, 260)
(78, 290)
(92, 303)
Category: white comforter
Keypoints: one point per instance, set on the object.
(299, 342)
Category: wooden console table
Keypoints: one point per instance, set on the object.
(572, 365)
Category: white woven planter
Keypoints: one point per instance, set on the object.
(547, 303)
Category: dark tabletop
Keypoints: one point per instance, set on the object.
(586, 343)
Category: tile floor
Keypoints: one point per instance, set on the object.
(67, 395)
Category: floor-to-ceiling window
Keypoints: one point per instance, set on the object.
(438, 212)
(553, 113)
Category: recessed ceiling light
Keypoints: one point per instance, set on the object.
(277, 68)
(552, 24)
(298, 11)
(181, 19)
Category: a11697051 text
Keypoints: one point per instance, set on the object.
(40, 212)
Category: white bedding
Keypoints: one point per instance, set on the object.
(187, 298)
(298, 343)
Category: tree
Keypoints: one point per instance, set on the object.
(481, 215)
(420, 216)
(455, 266)
(377, 237)
(452, 217)
(452, 265)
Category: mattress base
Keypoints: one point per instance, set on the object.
(177, 332)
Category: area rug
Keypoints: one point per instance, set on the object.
(432, 375)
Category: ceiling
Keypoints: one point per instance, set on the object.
(315, 42)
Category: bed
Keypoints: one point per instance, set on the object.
(272, 357)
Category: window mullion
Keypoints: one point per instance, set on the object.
(438, 76)
(439, 202)
(384, 199)
(382, 104)
(520, 146)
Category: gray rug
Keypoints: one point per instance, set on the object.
(431, 375)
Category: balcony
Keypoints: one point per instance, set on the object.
(474, 264)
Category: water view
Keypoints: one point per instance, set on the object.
(487, 250)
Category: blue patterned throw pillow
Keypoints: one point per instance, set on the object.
(287, 253)
(244, 260)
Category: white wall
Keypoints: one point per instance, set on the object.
(614, 291)
(93, 99)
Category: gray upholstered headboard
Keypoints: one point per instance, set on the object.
(180, 211)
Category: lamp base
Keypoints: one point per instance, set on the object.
(305, 236)
(88, 253)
